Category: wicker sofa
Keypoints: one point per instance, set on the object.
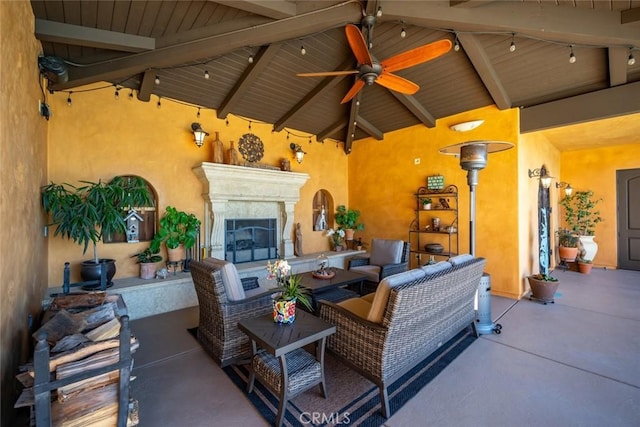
(383, 335)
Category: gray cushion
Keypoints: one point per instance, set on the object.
(460, 259)
(371, 271)
(384, 289)
(385, 252)
(230, 278)
(437, 267)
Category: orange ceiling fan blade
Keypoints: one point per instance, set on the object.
(416, 56)
(328, 73)
(359, 84)
(358, 45)
(397, 83)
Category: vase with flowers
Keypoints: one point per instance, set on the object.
(336, 236)
(289, 291)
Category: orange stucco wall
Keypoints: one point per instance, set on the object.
(99, 137)
(595, 169)
(23, 155)
(383, 179)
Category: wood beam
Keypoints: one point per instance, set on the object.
(369, 128)
(250, 75)
(57, 32)
(545, 21)
(326, 84)
(146, 86)
(417, 109)
(352, 123)
(268, 8)
(481, 62)
(331, 129)
(630, 16)
(617, 101)
(212, 46)
(618, 57)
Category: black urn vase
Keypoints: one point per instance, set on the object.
(91, 271)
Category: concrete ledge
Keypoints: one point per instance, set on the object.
(149, 297)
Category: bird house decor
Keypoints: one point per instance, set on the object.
(133, 228)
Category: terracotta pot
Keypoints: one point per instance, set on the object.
(542, 290)
(147, 270)
(348, 233)
(584, 267)
(177, 254)
(567, 254)
(284, 311)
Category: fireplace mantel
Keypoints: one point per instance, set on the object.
(255, 193)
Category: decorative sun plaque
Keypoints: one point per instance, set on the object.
(251, 147)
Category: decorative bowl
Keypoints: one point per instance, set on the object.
(434, 247)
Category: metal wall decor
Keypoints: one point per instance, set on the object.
(251, 147)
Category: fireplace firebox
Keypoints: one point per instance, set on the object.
(250, 240)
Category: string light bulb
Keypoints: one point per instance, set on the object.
(379, 12)
(69, 99)
(131, 95)
(117, 94)
(456, 44)
(303, 51)
(572, 57)
(403, 32)
(250, 59)
(157, 80)
(159, 104)
(512, 46)
(631, 60)
(198, 113)
(206, 74)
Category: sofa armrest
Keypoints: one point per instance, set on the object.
(266, 295)
(357, 261)
(391, 269)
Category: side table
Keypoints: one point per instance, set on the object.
(281, 364)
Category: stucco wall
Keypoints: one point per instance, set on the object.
(383, 178)
(595, 169)
(99, 137)
(23, 153)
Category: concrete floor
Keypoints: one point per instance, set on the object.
(572, 363)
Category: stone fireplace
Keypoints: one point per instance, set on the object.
(239, 192)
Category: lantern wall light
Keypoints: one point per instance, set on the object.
(568, 190)
(198, 134)
(298, 152)
(545, 178)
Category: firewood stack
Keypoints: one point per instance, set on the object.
(82, 363)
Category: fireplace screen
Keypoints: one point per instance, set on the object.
(250, 240)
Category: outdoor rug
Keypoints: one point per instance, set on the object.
(352, 399)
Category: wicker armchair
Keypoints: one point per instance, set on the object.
(422, 309)
(218, 331)
(387, 257)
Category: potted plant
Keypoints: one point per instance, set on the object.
(581, 216)
(147, 260)
(347, 219)
(584, 266)
(567, 244)
(426, 203)
(289, 291)
(543, 287)
(178, 230)
(336, 236)
(87, 213)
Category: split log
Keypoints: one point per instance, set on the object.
(111, 329)
(64, 323)
(69, 343)
(95, 408)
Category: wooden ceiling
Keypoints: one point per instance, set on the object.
(130, 43)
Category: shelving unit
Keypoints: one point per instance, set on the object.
(421, 231)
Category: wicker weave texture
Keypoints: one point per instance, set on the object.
(420, 316)
(302, 367)
(389, 269)
(218, 331)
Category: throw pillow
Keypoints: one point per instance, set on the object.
(230, 278)
(460, 259)
(384, 289)
(437, 267)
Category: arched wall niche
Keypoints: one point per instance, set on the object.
(322, 210)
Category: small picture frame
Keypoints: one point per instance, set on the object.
(435, 182)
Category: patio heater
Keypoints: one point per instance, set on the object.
(473, 158)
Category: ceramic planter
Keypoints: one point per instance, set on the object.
(590, 247)
(542, 290)
(284, 311)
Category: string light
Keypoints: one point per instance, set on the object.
(117, 94)
(131, 95)
(303, 51)
(227, 121)
(198, 114)
(157, 80)
(512, 46)
(250, 59)
(206, 74)
(403, 33)
(631, 60)
(379, 12)
(456, 44)
(69, 99)
(249, 124)
(572, 57)
(159, 104)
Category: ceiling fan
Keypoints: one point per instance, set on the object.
(371, 70)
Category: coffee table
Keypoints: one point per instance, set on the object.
(281, 364)
(333, 289)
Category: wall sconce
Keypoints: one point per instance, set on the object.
(198, 134)
(466, 126)
(567, 187)
(545, 178)
(298, 152)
